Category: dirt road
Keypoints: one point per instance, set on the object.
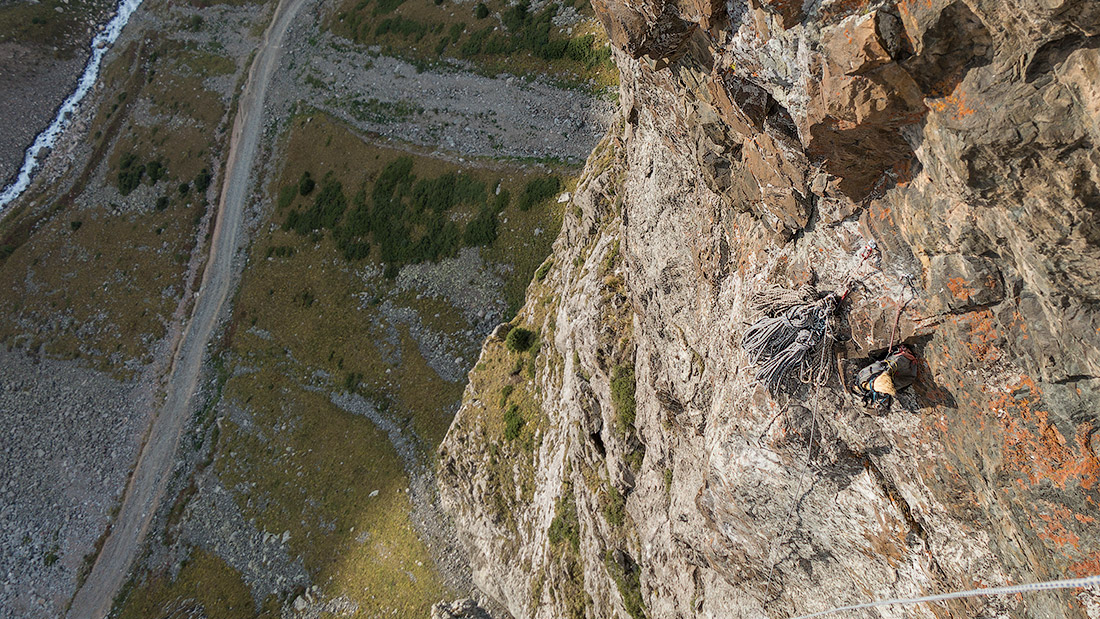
(158, 455)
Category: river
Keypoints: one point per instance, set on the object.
(101, 43)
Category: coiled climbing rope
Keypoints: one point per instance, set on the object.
(1074, 583)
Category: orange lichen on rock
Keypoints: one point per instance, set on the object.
(1087, 567)
(1035, 448)
(954, 104)
(959, 289)
(1055, 530)
(979, 334)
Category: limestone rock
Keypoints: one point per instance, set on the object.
(959, 136)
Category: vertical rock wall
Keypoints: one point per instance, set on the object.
(768, 142)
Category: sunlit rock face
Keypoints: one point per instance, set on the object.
(770, 142)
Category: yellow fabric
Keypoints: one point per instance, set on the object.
(885, 384)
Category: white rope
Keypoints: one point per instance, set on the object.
(1075, 583)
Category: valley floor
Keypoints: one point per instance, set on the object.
(303, 478)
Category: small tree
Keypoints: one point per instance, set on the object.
(519, 339)
(481, 11)
(305, 184)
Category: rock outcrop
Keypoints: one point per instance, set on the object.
(628, 465)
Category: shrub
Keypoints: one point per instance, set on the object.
(482, 230)
(6, 250)
(162, 203)
(513, 422)
(519, 339)
(456, 31)
(537, 191)
(505, 391)
(156, 171)
(627, 577)
(305, 184)
(540, 274)
(481, 11)
(501, 200)
(202, 180)
(516, 16)
(130, 173)
(622, 396)
(184, 188)
(473, 44)
(75, 225)
(286, 196)
(615, 508)
(402, 26)
(565, 527)
(386, 6)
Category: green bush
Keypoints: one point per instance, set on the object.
(305, 184)
(6, 250)
(622, 396)
(513, 422)
(402, 26)
(155, 171)
(386, 6)
(482, 230)
(456, 31)
(202, 180)
(328, 207)
(184, 188)
(519, 339)
(505, 391)
(481, 11)
(473, 44)
(130, 173)
(162, 203)
(537, 191)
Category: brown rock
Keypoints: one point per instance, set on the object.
(654, 30)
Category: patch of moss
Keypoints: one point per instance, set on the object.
(622, 397)
(627, 576)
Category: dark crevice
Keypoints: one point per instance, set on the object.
(891, 490)
(597, 442)
(1074, 378)
(1055, 53)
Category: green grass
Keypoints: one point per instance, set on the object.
(102, 288)
(318, 465)
(423, 31)
(628, 581)
(205, 581)
(41, 24)
(622, 398)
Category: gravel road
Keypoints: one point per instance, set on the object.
(158, 454)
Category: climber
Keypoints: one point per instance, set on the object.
(882, 380)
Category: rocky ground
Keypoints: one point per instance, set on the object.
(36, 83)
(71, 435)
(450, 106)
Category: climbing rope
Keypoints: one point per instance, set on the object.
(786, 339)
(1075, 583)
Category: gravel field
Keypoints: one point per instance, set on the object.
(70, 437)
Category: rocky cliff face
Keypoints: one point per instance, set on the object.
(628, 466)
